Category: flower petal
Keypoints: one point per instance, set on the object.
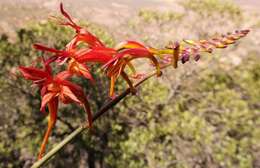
(89, 38)
(66, 15)
(63, 75)
(94, 56)
(79, 69)
(66, 92)
(112, 86)
(47, 98)
(53, 107)
(31, 73)
(130, 84)
(44, 48)
(128, 45)
(87, 109)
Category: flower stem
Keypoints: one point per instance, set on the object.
(58, 147)
(83, 127)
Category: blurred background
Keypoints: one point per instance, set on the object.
(204, 114)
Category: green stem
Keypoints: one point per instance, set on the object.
(58, 147)
(80, 129)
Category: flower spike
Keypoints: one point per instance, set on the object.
(57, 88)
(219, 42)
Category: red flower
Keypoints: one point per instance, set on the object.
(95, 52)
(53, 89)
(78, 57)
(82, 34)
(127, 52)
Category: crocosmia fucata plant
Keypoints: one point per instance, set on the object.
(57, 88)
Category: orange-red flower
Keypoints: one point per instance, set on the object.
(53, 89)
(95, 51)
(82, 35)
(127, 52)
(77, 58)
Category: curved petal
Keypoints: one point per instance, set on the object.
(128, 45)
(44, 48)
(47, 98)
(137, 52)
(87, 109)
(130, 84)
(59, 56)
(89, 38)
(63, 75)
(94, 56)
(83, 69)
(31, 73)
(79, 69)
(66, 15)
(112, 86)
(66, 92)
(53, 109)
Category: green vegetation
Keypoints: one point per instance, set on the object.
(148, 16)
(209, 7)
(212, 121)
